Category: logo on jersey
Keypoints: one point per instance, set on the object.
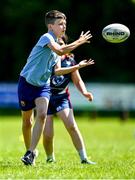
(57, 80)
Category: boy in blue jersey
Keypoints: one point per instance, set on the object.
(60, 104)
(34, 81)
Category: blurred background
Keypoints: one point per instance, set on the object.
(111, 79)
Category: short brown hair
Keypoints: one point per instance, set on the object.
(51, 16)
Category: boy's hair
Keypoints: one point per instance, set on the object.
(53, 15)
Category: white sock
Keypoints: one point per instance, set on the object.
(51, 156)
(82, 154)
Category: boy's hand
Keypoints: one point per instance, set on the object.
(84, 63)
(89, 96)
(84, 38)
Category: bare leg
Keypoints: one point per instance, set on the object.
(27, 117)
(68, 118)
(41, 109)
(48, 134)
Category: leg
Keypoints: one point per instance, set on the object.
(68, 118)
(48, 134)
(41, 109)
(27, 117)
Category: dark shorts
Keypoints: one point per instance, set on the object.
(27, 94)
(58, 103)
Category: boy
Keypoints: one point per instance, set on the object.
(34, 81)
(60, 104)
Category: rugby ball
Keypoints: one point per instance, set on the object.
(115, 33)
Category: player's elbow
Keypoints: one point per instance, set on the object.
(61, 51)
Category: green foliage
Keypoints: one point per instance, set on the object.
(109, 142)
(22, 23)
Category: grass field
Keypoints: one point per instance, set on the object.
(109, 142)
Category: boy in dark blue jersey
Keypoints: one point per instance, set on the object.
(60, 104)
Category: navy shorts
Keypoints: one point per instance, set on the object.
(58, 103)
(27, 94)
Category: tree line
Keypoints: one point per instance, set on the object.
(22, 23)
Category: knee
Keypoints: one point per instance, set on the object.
(72, 128)
(27, 123)
(42, 117)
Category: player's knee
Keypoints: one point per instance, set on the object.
(27, 123)
(72, 128)
(42, 117)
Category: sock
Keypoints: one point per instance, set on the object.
(51, 156)
(82, 154)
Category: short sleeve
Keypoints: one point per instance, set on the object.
(45, 39)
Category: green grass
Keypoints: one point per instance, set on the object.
(109, 142)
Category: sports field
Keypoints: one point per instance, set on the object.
(109, 142)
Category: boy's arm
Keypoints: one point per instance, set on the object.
(60, 50)
(66, 70)
(78, 82)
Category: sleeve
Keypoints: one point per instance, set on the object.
(45, 39)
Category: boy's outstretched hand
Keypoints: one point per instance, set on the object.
(84, 37)
(84, 63)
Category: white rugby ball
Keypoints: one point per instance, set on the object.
(115, 33)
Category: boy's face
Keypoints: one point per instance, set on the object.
(59, 27)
